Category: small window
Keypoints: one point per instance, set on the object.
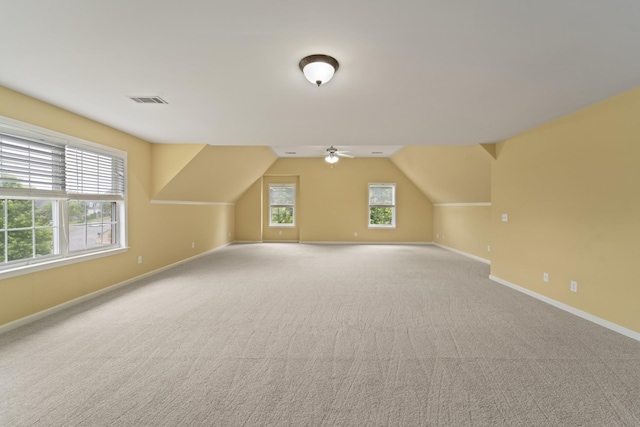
(382, 205)
(282, 205)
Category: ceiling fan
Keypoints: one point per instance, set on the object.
(333, 155)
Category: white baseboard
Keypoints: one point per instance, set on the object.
(242, 242)
(49, 311)
(322, 242)
(477, 258)
(562, 306)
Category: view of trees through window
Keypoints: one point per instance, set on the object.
(26, 228)
(282, 199)
(381, 216)
(382, 201)
(281, 215)
(91, 224)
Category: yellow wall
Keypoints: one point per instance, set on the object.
(571, 190)
(249, 214)
(162, 234)
(332, 202)
(465, 228)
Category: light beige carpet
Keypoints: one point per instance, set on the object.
(291, 334)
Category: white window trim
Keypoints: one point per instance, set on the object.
(18, 128)
(295, 189)
(393, 207)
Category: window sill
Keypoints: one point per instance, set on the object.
(383, 227)
(282, 226)
(58, 262)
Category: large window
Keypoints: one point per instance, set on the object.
(382, 205)
(59, 198)
(282, 205)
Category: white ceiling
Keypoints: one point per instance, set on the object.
(411, 72)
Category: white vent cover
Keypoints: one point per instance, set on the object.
(148, 100)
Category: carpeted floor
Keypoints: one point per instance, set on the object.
(292, 334)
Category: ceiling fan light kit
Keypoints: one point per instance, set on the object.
(318, 69)
(333, 155)
(331, 158)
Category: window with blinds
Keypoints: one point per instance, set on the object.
(282, 205)
(58, 198)
(382, 205)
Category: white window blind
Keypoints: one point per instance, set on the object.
(31, 165)
(382, 195)
(282, 194)
(92, 174)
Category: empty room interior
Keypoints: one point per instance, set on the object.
(440, 227)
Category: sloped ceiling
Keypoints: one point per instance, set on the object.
(167, 160)
(215, 174)
(448, 174)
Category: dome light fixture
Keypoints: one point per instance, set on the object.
(318, 69)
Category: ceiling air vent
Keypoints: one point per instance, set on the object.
(377, 152)
(290, 152)
(148, 100)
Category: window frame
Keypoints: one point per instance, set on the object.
(392, 206)
(60, 215)
(275, 205)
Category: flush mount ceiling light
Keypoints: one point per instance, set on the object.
(318, 69)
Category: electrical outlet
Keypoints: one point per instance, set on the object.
(488, 248)
(574, 286)
(140, 259)
(437, 235)
(280, 232)
(505, 217)
(442, 236)
(355, 234)
(193, 245)
(545, 277)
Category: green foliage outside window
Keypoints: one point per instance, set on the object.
(19, 229)
(381, 216)
(281, 215)
(282, 199)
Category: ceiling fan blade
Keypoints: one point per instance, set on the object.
(344, 154)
